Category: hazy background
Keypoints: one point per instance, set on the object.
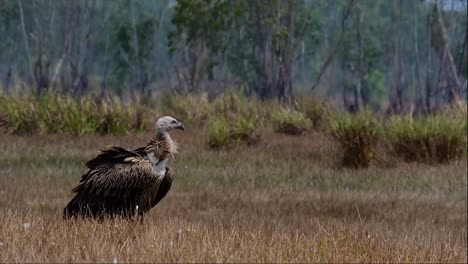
(389, 54)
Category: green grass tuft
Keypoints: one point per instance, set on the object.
(236, 119)
(435, 138)
(227, 133)
(290, 122)
(313, 109)
(358, 134)
(50, 113)
(193, 110)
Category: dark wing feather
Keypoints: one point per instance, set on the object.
(112, 155)
(164, 187)
(118, 180)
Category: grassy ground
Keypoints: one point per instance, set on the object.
(284, 200)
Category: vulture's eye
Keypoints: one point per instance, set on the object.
(173, 122)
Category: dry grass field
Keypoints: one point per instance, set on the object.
(284, 200)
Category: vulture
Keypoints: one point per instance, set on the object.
(125, 183)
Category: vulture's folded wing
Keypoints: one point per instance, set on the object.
(117, 174)
(118, 180)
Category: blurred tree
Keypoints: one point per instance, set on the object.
(271, 39)
(358, 49)
(132, 50)
(202, 32)
(9, 14)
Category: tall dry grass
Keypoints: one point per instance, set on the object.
(50, 113)
(281, 200)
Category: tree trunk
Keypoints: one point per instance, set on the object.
(285, 56)
(453, 84)
(399, 81)
(461, 53)
(359, 99)
(26, 43)
(419, 90)
(428, 64)
(266, 91)
(8, 79)
(399, 107)
(135, 46)
(41, 72)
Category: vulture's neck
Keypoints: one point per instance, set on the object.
(163, 140)
(159, 150)
(160, 134)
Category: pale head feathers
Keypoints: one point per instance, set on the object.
(163, 141)
(168, 123)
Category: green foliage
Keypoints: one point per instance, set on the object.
(9, 19)
(223, 42)
(125, 52)
(313, 109)
(375, 87)
(192, 109)
(203, 21)
(227, 133)
(202, 30)
(434, 138)
(233, 103)
(50, 113)
(196, 109)
(358, 134)
(269, 29)
(218, 132)
(236, 119)
(290, 122)
(231, 118)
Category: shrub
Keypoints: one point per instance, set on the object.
(434, 138)
(226, 133)
(313, 109)
(232, 104)
(290, 121)
(14, 117)
(218, 132)
(236, 119)
(358, 134)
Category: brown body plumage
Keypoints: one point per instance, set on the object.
(126, 183)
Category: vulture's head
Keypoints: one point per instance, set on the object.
(168, 123)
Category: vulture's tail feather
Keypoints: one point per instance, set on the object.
(73, 208)
(78, 208)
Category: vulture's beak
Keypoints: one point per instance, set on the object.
(180, 126)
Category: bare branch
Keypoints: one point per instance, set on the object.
(447, 56)
(337, 45)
